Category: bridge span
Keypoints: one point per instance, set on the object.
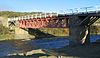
(78, 23)
(43, 20)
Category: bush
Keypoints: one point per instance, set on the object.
(4, 30)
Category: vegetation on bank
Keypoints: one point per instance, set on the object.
(3, 30)
(95, 30)
(5, 34)
(16, 14)
(56, 31)
(49, 32)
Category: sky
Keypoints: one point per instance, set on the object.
(46, 5)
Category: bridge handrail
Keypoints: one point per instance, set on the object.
(32, 16)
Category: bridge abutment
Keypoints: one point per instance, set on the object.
(78, 34)
(22, 33)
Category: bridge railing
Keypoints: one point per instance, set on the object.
(42, 15)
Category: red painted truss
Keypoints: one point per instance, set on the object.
(44, 23)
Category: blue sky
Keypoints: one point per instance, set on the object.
(45, 5)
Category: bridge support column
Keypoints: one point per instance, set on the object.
(78, 34)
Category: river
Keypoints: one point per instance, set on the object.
(20, 46)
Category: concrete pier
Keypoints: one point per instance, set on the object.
(78, 34)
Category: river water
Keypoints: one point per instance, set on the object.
(94, 38)
(20, 46)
